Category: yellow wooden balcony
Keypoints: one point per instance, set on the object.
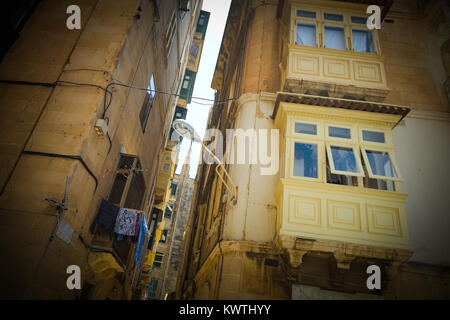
(339, 181)
(340, 73)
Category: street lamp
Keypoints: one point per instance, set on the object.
(184, 129)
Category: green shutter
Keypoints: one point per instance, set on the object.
(187, 86)
(202, 23)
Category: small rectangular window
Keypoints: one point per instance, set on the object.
(148, 102)
(159, 256)
(168, 212)
(173, 187)
(306, 34)
(305, 128)
(166, 168)
(163, 236)
(344, 160)
(333, 17)
(359, 20)
(334, 38)
(362, 41)
(373, 136)
(305, 160)
(306, 14)
(338, 132)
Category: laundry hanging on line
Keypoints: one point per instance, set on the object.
(126, 222)
(143, 230)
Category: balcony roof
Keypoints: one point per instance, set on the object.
(367, 106)
(385, 4)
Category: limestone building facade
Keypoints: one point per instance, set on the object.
(86, 116)
(362, 122)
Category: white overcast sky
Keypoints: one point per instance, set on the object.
(198, 114)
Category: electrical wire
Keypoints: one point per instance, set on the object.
(116, 82)
(107, 105)
(108, 94)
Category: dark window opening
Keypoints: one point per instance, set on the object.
(137, 190)
(173, 188)
(340, 179)
(168, 212)
(127, 191)
(164, 236)
(148, 103)
(125, 162)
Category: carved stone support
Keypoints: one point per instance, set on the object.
(343, 260)
(296, 257)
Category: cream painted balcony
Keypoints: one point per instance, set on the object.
(329, 51)
(340, 73)
(339, 183)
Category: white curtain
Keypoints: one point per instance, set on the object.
(362, 41)
(334, 38)
(306, 34)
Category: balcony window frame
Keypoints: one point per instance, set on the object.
(306, 20)
(319, 130)
(324, 143)
(356, 154)
(353, 135)
(358, 27)
(334, 24)
(387, 137)
(398, 177)
(320, 159)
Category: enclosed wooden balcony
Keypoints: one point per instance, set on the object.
(328, 50)
(340, 186)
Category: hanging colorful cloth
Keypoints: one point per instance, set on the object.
(137, 228)
(126, 222)
(143, 230)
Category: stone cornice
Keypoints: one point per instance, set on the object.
(429, 115)
(234, 246)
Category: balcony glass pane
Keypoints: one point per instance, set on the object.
(339, 132)
(359, 20)
(381, 164)
(344, 159)
(334, 38)
(362, 41)
(305, 160)
(373, 136)
(333, 17)
(306, 34)
(305, 128)
(306, 14)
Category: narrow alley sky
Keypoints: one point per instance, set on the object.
(197, 114)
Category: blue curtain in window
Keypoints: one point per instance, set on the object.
(362, 41)
(334, 38)
(306, 34)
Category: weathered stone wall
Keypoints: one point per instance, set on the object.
(123, 42)
(415, 76)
